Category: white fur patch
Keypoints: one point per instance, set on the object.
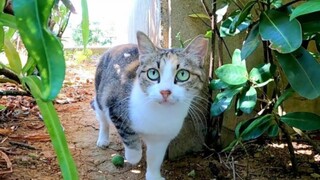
(126, 55)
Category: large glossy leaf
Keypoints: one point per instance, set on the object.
(217, 84)
(306, 8)
(302, 71)
(232, 74)
(302, 120)
(223, 100)
(251, 43)
(226, 25)
(310, 23)
(257, 127)
(237, 60)
(85, 22)
(273, 130)
(32, 20)
(248, 100)
(221, 11)
(262, 73)
(285, 36)
(8, 20)
(12, 56)
(54, 127)
(1, 38)
(242, 16)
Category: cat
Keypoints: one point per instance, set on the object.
(146, 92)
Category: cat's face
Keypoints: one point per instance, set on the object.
(171, 76)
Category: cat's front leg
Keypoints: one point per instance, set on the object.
(103, 138)
(156, 150)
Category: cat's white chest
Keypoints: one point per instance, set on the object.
(151, 118)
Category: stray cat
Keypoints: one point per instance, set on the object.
(146, 92)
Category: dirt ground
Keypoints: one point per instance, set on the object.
(26, 149)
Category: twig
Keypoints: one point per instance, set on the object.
(205, 6)
(14, 93)
(9, 74)
(233, 169)
(204, 22)
(307, 138)
(9, 164)
(23, 145)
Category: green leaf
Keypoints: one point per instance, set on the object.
(302, 71)
(85, 23)
(273, 130)
(12, 56)
(284, 96)
(221, 11)
(236, 58)
(8, 20)
(231, 145)
(1, 38)
(310, 23)
(226, 25)
(251, 43)
(217, 84)
(305, 8)
(302, 120)
(199, 15)
(262, 73)
(241, 126)
(245, 12)
(51, 120)
(32, 20)
(2, 107)
(257, 127)
(232, 74)
(248, 100)
(208, 34)
(2, 4)
(285, 36)
(223, 100)
(29, 67)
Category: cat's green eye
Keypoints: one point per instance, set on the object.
(182, 75)
(153, 74)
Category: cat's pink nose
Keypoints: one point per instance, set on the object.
(165, 94)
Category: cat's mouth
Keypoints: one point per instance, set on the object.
(167, 102)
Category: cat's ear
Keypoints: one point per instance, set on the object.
(198, 47)
(145, 45)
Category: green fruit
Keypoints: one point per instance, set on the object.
(117, 160)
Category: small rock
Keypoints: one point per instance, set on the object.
(192, 173)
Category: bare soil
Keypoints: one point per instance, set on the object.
(26, 151)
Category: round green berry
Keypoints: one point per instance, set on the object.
(117, 160)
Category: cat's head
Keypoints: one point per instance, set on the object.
(168, 76)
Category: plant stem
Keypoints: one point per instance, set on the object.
(306, 137)
(290, 147)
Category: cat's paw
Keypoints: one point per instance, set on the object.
(133, 156)
(103, 143)
(150, 176)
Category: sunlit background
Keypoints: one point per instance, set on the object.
(108, 23)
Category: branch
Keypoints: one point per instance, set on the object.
(14, 93)
(205, 6)
(9, 74)
(307, 138)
